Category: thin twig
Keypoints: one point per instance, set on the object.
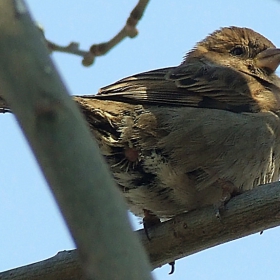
(129, 30)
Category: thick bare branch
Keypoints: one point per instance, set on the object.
(128, 30)
(249, 213)
(189, 233)
(64, 265)
(69, 158)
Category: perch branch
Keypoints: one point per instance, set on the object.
(186, 234)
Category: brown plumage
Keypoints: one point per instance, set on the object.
(184, 137)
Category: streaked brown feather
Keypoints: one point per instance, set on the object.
(183, 137)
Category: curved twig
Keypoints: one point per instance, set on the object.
(129, 30)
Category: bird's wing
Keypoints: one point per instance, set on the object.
(192, 85)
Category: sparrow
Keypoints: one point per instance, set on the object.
(185, 137)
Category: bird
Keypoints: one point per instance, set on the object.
(182, 138)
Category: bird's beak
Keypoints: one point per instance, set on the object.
(268, 59)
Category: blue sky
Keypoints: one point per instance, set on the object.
(31, 226)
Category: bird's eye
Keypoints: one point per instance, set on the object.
(237, 51)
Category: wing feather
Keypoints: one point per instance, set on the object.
(191, 85)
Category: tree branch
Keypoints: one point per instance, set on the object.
(189, 233)
(47, 114)
(63, 266)
(128, 30)
(249, 213)
(66, 152)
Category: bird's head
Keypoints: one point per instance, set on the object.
(241, 49)
(233, 66)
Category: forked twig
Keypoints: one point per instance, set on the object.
(129, 30)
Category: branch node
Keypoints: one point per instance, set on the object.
(131, 31)
(88, 59)
(99, 49)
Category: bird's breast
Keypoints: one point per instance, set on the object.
(174, 159)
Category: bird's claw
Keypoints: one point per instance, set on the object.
(172, 264)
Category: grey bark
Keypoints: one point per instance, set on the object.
(69, 158)
(189, 233)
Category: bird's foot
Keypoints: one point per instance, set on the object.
(172, 264)
(218, 208)
(228, 191)
(149, 220)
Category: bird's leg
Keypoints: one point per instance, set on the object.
(228, 191)
(150, 220)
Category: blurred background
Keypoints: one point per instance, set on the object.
(32, 228)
